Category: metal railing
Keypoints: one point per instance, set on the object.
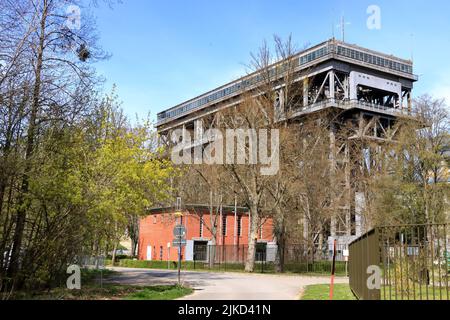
(413, 260)
(354, 103)
(297, 258)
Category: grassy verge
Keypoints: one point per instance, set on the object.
(322, 292)
(159, 293)
(414, 292)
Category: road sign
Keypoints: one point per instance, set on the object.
(179, 242)
(179, 231)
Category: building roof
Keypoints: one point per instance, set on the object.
(202, 207)
(331, 49)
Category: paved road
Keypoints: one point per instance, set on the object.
(226, 286)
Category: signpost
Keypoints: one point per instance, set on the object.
(179, 241)
(333, 269)
(179, 232)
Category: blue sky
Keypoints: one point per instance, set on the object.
(165, 52)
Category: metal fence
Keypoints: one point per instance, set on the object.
(297, 258)
(93, 262)
(364, 252)
(413, 261)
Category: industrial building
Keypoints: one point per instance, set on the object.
(368, 89)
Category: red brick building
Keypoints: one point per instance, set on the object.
(156, 231)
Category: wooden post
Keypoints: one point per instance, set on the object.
(235, 220)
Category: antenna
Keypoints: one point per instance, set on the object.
(342, 27)
(332, 23)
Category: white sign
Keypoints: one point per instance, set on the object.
(179, 242)
(345, 253)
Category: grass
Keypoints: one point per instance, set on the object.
(416, 292)
(159, 293)
(343, 292)
(322, 292)
(92, 288)
(112, 292)
(90, 276)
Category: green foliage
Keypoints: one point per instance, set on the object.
(123, 174)
(85, 182)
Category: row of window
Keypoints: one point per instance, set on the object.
(241, 85)
(163, 218)
(304, 59)
(224, 226)
(375, 60)
(168, 218)
(323, 51)
(221, 93)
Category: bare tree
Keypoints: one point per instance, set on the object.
(411, 183)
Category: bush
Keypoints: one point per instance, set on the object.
(321, 267)
(128, 263)
(120, 257)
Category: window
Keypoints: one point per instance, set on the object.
(224, 225)
(239, 226)
(201, 227)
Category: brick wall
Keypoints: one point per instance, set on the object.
(156, 231)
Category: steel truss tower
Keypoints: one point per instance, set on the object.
(366, 92)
